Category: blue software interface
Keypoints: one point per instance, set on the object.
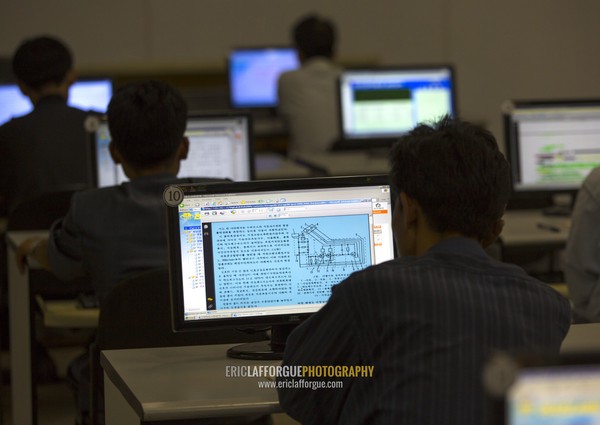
(91, 95)
(278, 252)
(254, 73)
(391, 102)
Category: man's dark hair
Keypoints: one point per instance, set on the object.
(314, 36)
(456, 173)
(147, 122)
(41, 60)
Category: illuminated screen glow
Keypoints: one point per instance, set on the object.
(220, 147)
(254, 74)
(277, 252)
(553, 147)
(391, 102)
(87, 95)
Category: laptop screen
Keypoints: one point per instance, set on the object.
(84, 94)
(389, 102)
(268, 252)
(220, 147)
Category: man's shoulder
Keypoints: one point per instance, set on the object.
(136, 189)
(594, 175)
(15, 123)
(93, 197)
(289, 77)
(317, 66)
(592, 183)
(410, 272)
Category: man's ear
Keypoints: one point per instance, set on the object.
(70, 77)
(25, 89)
(114, 153)
(493, 234)
(409, 210)
(184, 148)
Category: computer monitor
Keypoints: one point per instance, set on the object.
(567, 394)
(544, 390)
(267, 253)
(254, 73)
(551, 145)
(92, 94)
(221, 146)
(379, 105)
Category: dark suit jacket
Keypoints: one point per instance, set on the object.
(43, 151)
(426, 324)
(113, 233)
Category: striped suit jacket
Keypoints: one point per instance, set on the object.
(426, 324)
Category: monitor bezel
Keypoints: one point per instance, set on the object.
(174, 246)
(192, 115)
(367, 142)
(229, 65)
(539, 196)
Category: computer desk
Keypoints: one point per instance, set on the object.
(270, 165)
(59, 314)
(180, 383)
(582, 338)
(530, 228)
(347, 163)
(521, 230)
(529, 236)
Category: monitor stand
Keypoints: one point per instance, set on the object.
(264, 350)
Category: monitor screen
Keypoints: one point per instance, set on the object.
(268, 252)
(83, 94)
(383, 104)
(254, 73)
(220, 147)
(552, 145)
(559, 394)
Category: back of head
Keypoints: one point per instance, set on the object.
(314, 36)
(456, 173)
(42, 60)
(147, 122)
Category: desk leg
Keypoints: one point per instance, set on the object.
(23, 411)
(117, 410)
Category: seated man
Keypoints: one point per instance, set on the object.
(582, 262)
(47, 149)
(115, 232)
(427, 321)
(307, 96)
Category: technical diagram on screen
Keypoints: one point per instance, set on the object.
(269, 252)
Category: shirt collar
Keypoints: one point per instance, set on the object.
(318, 62)
(457, 244)
(50, 99)
(156, 177)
